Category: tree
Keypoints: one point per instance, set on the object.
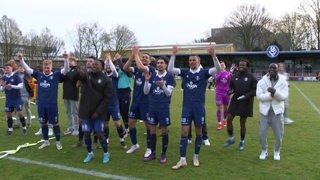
(10, 37)
(94, 37)
(291, 31)
(80, 43)
(312, 10)
(31, 43)
(50, 45)
(249, 25)
(121, 38)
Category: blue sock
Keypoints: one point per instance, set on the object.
(104, 145)
(45, 130)
(165, 141)
(88, 142)
(153, 142)
(198, 144)
(148, 139)
(56, 130)
(183, 146)
(133, 135)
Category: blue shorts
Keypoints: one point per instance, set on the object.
(114, 112)
(92, 125)
(161, 116)
(13, 105)
(139, 111)
(48, 113)
(194, 112)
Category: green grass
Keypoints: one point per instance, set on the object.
(299, 154)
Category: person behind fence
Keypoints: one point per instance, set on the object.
(272, 91)
(194, 84)
(243, 84)
(12, 84)
(48, 85)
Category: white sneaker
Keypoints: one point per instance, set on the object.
(206, 142)
(189, 141)
(148, 152)
(133, 148)
(68, 131)
(50, 132)
(58, 145)
(75, 133)
(288, 121)
(39, 133)
(179, 165)
(195, 161)
(263, 155)
(276, 156)
(45, 144)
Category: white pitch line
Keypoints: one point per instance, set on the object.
(309, 101)
(72, 169)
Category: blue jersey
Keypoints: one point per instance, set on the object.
(194, 86)
(157, 98)
(138, 95)
(12, 94)
(47, 87)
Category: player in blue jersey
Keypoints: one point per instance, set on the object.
(47, 97)
(159, 87)
(113, 108)
(194, 84)
(139, 105)
(12, 84)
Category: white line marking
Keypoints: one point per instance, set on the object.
(309, 101)
(72, 169)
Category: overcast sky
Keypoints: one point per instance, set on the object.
(153, 22)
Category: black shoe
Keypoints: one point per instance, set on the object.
(24, 132)
(123, 145)
(8, 133)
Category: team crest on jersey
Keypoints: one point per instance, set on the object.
(139, 82)
(236, 79)
(51, 77)
(12, 80)
(197, 78)
(245, 79)
(99, 81)
(190, 85)
(157, 91)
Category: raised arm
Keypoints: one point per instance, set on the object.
(127, 67)
(24, 64)
(217, 66)
(147, 85)
(65, 68)
(171, 67)
(112, 67)
(135, 52)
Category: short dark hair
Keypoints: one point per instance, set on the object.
(92, 57)
(165, 58)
